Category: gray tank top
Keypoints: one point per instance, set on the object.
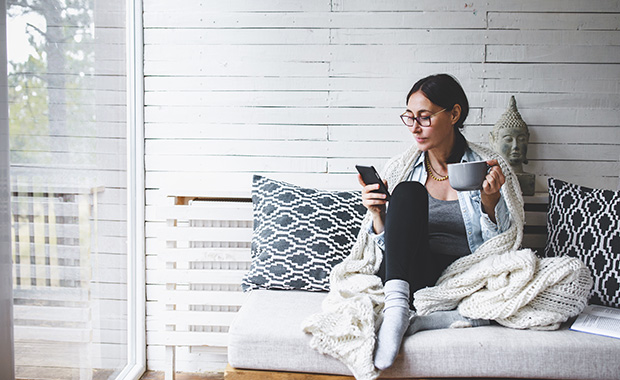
(446, 229)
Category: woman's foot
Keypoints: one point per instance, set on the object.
(395, 323)
(443, 320)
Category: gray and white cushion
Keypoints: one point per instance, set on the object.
(299, 234)
(585, 223)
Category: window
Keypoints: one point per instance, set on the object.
(75, 244)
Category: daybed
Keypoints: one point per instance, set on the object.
(266, 335)
(266, 339)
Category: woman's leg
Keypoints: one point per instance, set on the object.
(408, 266)
(406, 244)
(442, 319)
(406, 237)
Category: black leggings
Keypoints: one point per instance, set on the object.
(407, 255)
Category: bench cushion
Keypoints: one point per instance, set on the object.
(266, 335)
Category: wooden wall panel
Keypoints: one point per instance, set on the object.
(301, 91)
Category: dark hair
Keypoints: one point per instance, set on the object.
(445, 91)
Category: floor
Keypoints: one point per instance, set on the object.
(156, 375)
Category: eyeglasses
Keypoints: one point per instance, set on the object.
(423, 121)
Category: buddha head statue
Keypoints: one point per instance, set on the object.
(510, 137)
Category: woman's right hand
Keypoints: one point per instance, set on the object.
(374, 202)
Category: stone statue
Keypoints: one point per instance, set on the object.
(509, 138)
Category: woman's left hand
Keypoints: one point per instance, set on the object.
(490, 194)
(494, 179)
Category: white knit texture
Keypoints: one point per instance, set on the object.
(516, 289)
(498, 282)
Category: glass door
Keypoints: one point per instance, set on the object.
(68, 128)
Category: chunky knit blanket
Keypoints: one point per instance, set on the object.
(498, 281)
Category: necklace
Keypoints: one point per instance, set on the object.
(430, 170)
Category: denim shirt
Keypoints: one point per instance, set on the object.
(478, 225)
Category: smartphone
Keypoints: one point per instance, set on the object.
(370, 176)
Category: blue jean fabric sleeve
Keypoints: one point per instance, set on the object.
(378, 238)
(502, 216)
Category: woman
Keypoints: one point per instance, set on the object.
(470, 240)
(428, 225)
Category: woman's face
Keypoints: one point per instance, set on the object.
(440, 134)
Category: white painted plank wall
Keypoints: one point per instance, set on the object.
(303, 90)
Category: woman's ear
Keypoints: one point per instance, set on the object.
(455, 113)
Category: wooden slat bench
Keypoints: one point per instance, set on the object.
(204, 252)
(247, 374)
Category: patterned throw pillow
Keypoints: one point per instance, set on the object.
(299, 234)
(585, 223)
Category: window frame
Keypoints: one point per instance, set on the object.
(7, 354)
(136, 281)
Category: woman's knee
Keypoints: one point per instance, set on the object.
(409, 189)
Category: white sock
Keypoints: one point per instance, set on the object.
(395, 323)
(442, 320)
